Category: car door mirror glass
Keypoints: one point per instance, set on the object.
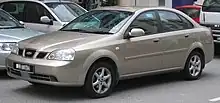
(46, 20)
(136, 32)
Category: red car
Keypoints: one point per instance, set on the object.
(192, 10)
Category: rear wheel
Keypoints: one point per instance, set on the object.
(194, 66)
(100, 80)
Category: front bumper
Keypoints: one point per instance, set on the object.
(51, 72)
(216, 36)
(215, 31)
(3, 56)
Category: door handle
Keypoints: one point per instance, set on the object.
(187, 35)
(156, 40)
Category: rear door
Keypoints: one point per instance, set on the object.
(178, 38)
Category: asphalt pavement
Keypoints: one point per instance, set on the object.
(166, 88)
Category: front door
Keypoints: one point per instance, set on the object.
(143, 54)
(33, 13)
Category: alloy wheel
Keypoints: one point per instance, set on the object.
(195, 65)
(101, 80)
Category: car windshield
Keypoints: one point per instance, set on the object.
(7, 21)
(66, 11)
(99, 21)
(211, 6)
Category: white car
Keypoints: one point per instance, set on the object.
(45, 15)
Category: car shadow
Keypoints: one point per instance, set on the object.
(3, 75)
(148, 81)
(50, 93)
(217, 56)
(64, 94)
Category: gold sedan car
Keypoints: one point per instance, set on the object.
(109, 44)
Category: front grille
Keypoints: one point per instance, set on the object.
(35, 76)
(214, 38)
(30, 53)
(41, 55)
(43, 77)
(212, 26)
(20, 52)
(214, 32)
(18, 73)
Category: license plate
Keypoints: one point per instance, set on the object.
(23, 67)
(25, 74)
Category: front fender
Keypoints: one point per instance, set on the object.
(95, 56)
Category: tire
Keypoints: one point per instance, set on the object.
(194, 66)
(103, 82)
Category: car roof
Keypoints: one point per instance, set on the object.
(189, 6)
(120, 8)
(43, 1)
(134, 8)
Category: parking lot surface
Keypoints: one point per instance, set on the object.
(167, 88)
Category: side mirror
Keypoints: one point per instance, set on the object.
(21, 22)
(46, 20)
(135, 32)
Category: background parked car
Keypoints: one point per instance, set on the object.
(191, 10)
(92, 4)
(210, 17)
(44, 16)
(11, 32)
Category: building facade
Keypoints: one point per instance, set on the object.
(166, 3)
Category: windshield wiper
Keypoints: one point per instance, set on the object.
(15, 27)
(76, 30)
(85, 31)
(100, 32)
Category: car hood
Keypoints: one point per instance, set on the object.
(16, 35)
(59, 40)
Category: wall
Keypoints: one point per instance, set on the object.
(127, 2)
(182, 2)
(138, 2)
(167, 3)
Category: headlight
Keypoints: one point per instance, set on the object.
(15, 49)
(7, 46)
(65, 54)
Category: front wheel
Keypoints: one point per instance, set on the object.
(100, 80)
(194, 66)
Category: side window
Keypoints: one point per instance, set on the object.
(34, 12)
(186, 22)
(44, 12)
(16, 9)
(172, 22)
(146, 21)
